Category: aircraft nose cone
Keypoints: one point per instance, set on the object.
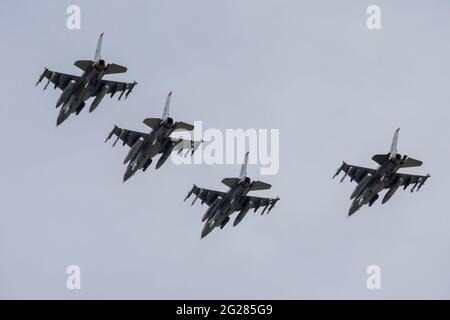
(59, 121)
(127, 175)
(205, 231)
(352, 210)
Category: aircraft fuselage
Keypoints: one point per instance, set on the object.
(226, 206)
(85, 88)
(152, 145)
(382, 177)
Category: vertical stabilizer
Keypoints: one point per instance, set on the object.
(98, 51)
(393, 151)
(243, 173)
(167, 107)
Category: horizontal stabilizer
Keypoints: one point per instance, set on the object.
(259, 185)
(410, 162)
(84, 64)
(229, 182)
(181, 126)
(152, 122)
(115, 68)
(380, 158)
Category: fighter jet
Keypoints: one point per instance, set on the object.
(76, 90)
(372, 181)
(223, 204)
(145, 146)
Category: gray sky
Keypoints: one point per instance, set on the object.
(336, 91)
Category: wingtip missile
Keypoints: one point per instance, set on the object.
(111, 133)
(272, 204)
(189, 193)
(41, 77)
(132, 85)
(422, 182)
(339, 170)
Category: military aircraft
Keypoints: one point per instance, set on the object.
(76, 90)
(145, 146)
(372, 181)
(223, 204)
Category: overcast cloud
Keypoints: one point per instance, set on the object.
(334, 89)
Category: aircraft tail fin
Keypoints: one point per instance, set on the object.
(115, 68)
(243, 172)
(394, 143)
(167, 106)
(98, 50)
(410, 162)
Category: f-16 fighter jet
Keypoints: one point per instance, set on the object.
(76, 90)
(145, 146)
(223, 204)
(372, 181)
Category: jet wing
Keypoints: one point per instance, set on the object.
(114, 86)
(256, 203)
(59, 80)
(206, 195)
(409, 179)
(355, 173)
(128, 137)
